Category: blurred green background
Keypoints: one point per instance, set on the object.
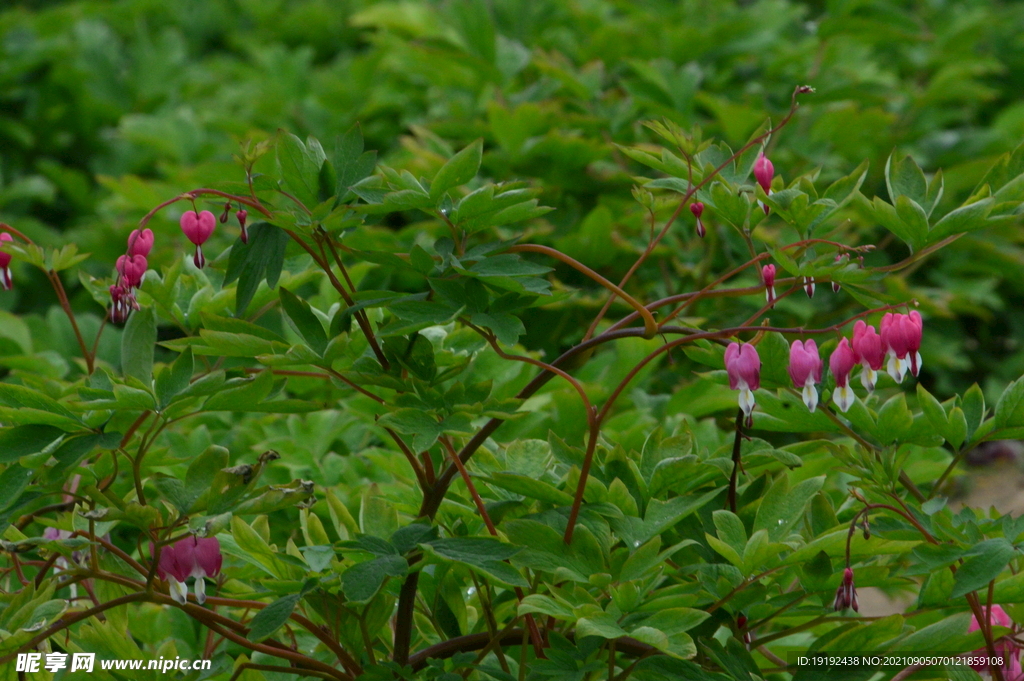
(108, 108)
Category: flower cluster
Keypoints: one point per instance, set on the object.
(189, 557)
(131, 268)
(899, 341)
(5, 264)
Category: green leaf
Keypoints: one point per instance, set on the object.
(730, 529)
(905, 178)
(271, 618)
(173, 379)
(782, 507)
(304, 321)
(137, 345)
(262, 258)
(13, 482)
(973, 404)
(300, 169)
(964, 219)
(1010, 407)
(531, 488)
(22, 441)
(246, 394)
(351, 163)
(460, 169)
(989, 559)
(361, 581)
(422, 426)
(545, 605)
(482, 554)
(894, 419)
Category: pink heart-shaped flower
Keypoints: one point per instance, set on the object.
(140, 242)
(198, 228)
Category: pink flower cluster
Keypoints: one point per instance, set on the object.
(131, 268)
(189, 557)
(899, 341)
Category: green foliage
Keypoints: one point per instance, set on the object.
(358, 400)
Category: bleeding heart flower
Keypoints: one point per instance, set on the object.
(190, 557)
(140, 242)
(846, 594)
(867, 345)
(197, 228)
(122, 302)
(132, 268)
(841, 363)
(901, 336)
(809, 286)
(768, 276)
(1004, 646)
(241, 215)
(805, 369)
(5, 264)
(744, 369)
(763, 173)
(697, 208)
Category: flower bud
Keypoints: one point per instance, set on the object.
(809, 286)
(763, 173)
(224, 216)
(697, 208)
(846, 594)
(241, 215)
(768, 276)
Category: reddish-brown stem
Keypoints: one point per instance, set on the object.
(411, 457)
(480, 507)
(686, 197)
(581, 486)
(340, 288)
(650, 325)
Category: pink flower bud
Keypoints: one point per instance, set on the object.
(768, 276)
(763, 172)
(809, 286)
(805, 369)
(867, 345)
(841, 363)
(744, 369)
(846, 594)
(697, 208)
(224, 215)
(241, 215)
(140, 242)
(6, 281)
(122, 302)
(132, 269)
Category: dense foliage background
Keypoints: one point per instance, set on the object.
(108, 109)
